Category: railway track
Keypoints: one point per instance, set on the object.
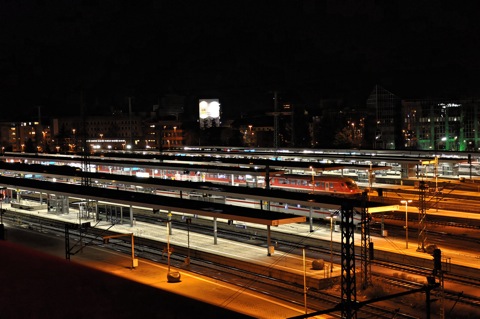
(285, 291)
(244, 279)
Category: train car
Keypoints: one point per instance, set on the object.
(323, 184)
(467, 169)
(319, 213)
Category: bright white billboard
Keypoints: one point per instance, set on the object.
(209, 111)
(209, 108)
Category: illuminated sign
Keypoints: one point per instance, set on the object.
(209, 112)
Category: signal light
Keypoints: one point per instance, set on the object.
(437, 259)
(370, 250)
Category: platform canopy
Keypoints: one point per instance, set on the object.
(152, 201)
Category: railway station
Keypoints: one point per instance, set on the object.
(148, 201)
(288, 266)
(115, 200)
(253, 169)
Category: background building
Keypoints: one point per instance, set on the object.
(384, 115)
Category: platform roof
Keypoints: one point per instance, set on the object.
(283, 196)
(152, 201)
(205, 164)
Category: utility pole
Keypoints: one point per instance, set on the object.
(86, 181)
(39, 115)
(275, 121)
(130, 127)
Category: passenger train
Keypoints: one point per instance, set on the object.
(468, 169)
(323, 184)
(323, 214)
(317, 213)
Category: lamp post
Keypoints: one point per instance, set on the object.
(331, 242)
(250, 136)
(406, 220)
(313, 179)
(172, 276)
(304, 282)
(44, 141)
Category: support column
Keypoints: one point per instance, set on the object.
(214, 230)
(97, 215)
(66, 206)
(267, 177)
(310, 219)
(170, 223)
(131, 216)
(269, 240)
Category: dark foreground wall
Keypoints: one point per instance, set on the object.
(37, 285)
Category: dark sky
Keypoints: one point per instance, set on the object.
(238, 51)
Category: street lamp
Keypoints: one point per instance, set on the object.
(250, 136)
(406, 220)
(331, 241)
(172, 276)
(74, 140)
(44, 141)
(313, 179)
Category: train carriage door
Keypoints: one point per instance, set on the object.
(321, 186)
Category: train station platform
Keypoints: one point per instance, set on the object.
(291, 264)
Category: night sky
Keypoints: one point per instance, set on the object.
(53, 52)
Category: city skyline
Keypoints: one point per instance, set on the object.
(240, 52)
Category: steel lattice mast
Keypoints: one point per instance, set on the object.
(366, 245)
(349, 289)
(422, 216)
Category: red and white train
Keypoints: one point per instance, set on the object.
(319, 184)
(323, 184)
